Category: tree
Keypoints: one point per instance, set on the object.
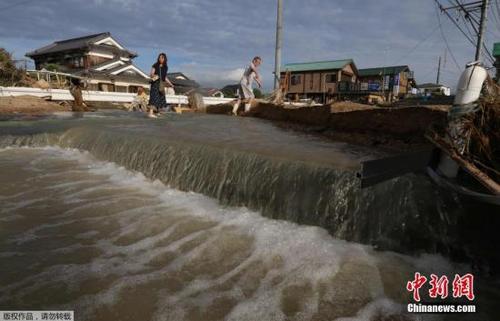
(9, 74)
(53, 67)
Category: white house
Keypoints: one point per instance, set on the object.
(430, 88)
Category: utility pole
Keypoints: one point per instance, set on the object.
(482, 26)
(439, 71)
(279, 43)
(468, 10)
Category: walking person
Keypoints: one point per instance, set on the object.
(159, 85)
(246, 94)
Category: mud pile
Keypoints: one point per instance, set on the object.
(29, 105)
(351, 122)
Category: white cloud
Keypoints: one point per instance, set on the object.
(233, 75)
(211, 76)
(214, 40)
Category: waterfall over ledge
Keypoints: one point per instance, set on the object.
(251, 163)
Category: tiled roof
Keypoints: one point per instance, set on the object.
(107, 62)
(379, 71)
(319, 65)
(112, 70)
(104, 75)
(176, 74)
(86, 42)
(69, 44)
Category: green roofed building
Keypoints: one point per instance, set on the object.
(496, 54)
(319, 80)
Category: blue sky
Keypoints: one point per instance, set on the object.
(211, 41)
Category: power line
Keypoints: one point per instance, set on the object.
(468, 14)
(454, 22)
(417, 45)
(479, 28)
(468, 9)
(446, 41)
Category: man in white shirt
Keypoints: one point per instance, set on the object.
(246, 94)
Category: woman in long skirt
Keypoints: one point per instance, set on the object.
(159, 72)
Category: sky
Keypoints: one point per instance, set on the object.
(213, 41)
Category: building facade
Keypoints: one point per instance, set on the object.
(182, 83)
(319, 81)
(99, 58)
(434, 89)
(390, 81)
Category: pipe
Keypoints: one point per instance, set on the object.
(470, 84)
(468, 92)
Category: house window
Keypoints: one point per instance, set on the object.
(296, 80)
(331, 78)
(106, 87)
(78, 62)
(133, 89)
(93, 87)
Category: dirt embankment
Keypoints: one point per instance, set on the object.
(29, 105)
(393, 128)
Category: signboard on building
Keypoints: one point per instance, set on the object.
(387, 82)
(396, 85)
(373, 86)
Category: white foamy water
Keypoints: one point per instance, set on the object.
(90, 236)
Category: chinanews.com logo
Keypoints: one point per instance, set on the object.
(438, 289)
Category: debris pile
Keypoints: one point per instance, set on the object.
(483, 145)
(476, 148)
(29, 105)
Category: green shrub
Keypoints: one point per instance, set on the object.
(10, 75)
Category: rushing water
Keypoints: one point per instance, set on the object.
(249, 162)
(131, 240)
(90, 236)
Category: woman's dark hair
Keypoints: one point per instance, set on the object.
(164, 57)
